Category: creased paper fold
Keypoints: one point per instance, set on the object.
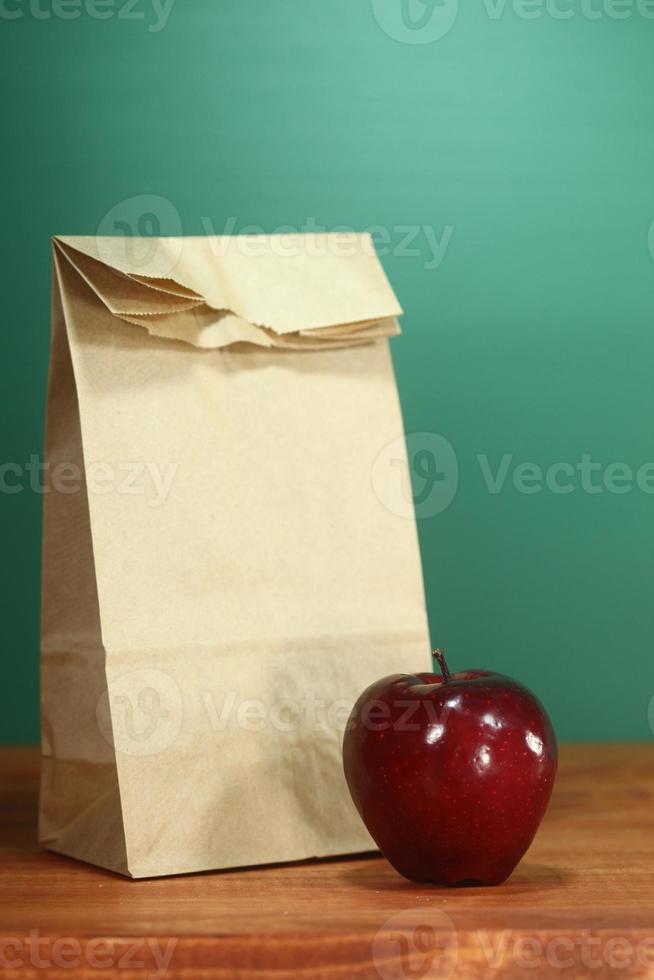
(295, 292)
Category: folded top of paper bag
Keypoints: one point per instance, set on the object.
(294, 291)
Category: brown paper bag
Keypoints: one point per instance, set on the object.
(220, 580)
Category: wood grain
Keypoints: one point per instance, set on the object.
(583, 896)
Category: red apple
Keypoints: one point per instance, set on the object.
(451, 773)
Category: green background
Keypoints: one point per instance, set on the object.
(531, 137)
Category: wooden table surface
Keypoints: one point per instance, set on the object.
(580, 904)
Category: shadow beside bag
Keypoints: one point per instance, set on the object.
(225, 577)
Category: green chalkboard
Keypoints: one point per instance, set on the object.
(502, 155)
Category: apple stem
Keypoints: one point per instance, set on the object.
(442, 663)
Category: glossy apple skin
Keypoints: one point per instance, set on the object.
(451, 778)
